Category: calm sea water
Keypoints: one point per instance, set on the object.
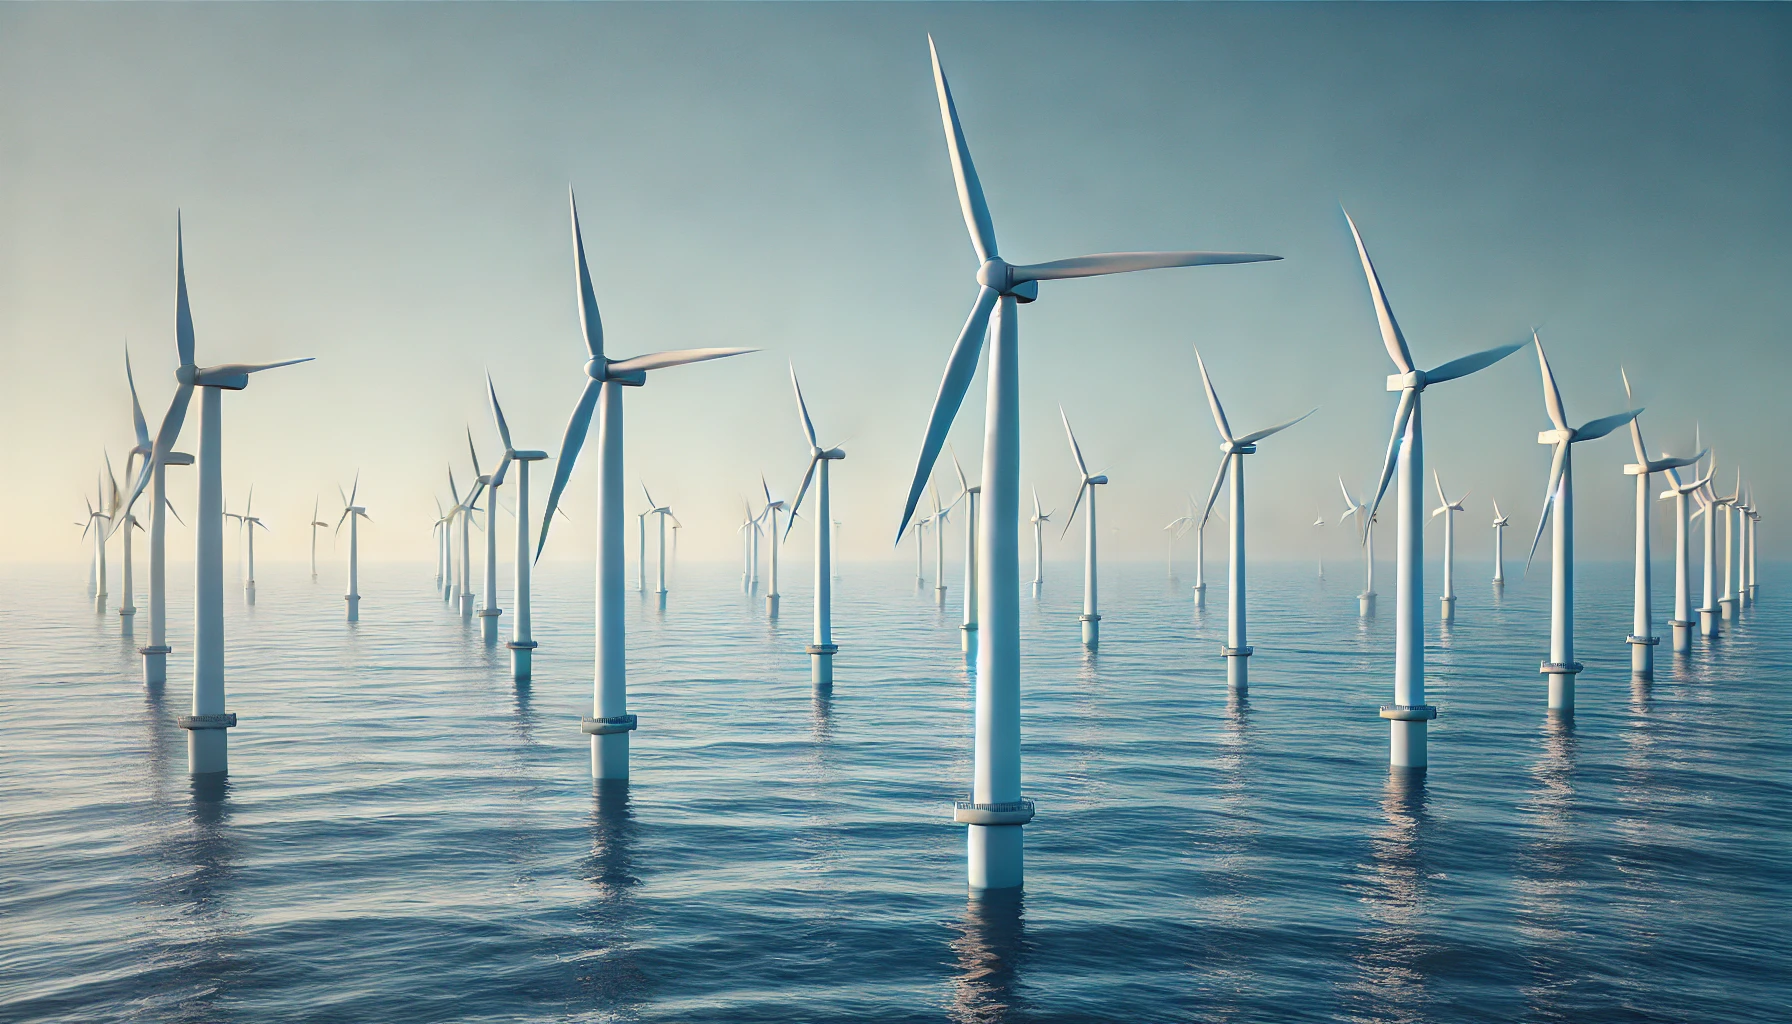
(407, 836)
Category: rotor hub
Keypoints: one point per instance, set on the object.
(595, 366)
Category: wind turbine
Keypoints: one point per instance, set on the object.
(821, 652)
(1409, 716)
(1039, 520)
(749, 538)
(1365, 522)
(1561, 667)
(834, 559)
(938, 520)
(664, 512)
(610, 722)
(1728, 603)
(1319, 524)
(1754, 517)
(1447, 509)
(435, 531)
(316, 523)
(522, 643)
(465, 509)
(996, 807)
(119, 519)
(1091, 617)
(207, 746)
(1742, 553)
(354, 513)
(1682, 622)
(1641, 639)
(969, 493)
(100, 521)
(488, 580)
(1234, 449)
(920, 553)
(770, 513)
(451, 585)
(1200, 587)
(155, 653)
(1708, 501)
(1175, 528)
(641, 542)
(249, 524)
(1499, 546)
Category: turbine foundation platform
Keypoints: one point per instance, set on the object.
(1238, 675)
(354, 606)
(771, 605)
(1409, 728)
(1365, 605)
(1682, 635)
(967, 635)
(939, 595)
(1728, 607)
(1091, 630)
(1446, 611)
(993, 857)
(522, 659)
(208, 745)
(1708, 623)
(821, 663)
(609, 745)
(1642, 655)
(155, 664)
(1561, 685)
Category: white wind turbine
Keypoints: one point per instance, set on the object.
(450, 582)
(1641, 639)
(488, 579)
(1561, 667)
(122, 519)
(1677, 492)
(1319, 524)
(773, 506)
(1707, 499)
(664, 512)
(522, 642)
(996, 807)
(207, 746)
(317, 523)
(920, 552)
(941, 514)
(1175, 528)
(1091, 617)
(821, 652)
(969, 493)
(354, 513)
(1200, 528)
(99, 521)
(248, 523)
(1039, 520)
(1409, 716)
(435, 531)
(610, 722)
(1447, 509)
(1365, 530)
(464, 509)
(749, 539)
(1234, 449)
(1500, 522)
(155, 653)
(1728, 603)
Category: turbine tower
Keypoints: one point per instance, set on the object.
(1642, 638)
(249, 524)
(1708, 501)
(464, 508)
(207, 746)
(664, 512)
(354, 513)
(1319, 524)
(154, 472)
(1233, 449)
(1682, 622)
(1409, 716)
(1039, 520)
(1365, 524)
(968, 493)
(1499, 547)
(821, 652)
(1200, 587)
(100, 523)
(610, 722)
(522, 643)
(941, 513)
(1091, 617)
(996, 809)
(1561, 667)
(488, 581)
(1447, 509)
(772, 508)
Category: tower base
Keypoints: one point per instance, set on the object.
(1708, 623)
(1091, 630)
(155, 664)
(1200, 590)
(1682, 635)
(939, 595)
(967, 635)
(1447, 608)
(609, 745)
(1642, 656)
(1365, 604)
(466, 606)
(1561, 685)
(771, 605)
(1238, 676)
(208, 747)
(821, 663)
(522, 659)
(354, 606)
(1727, 606)
(1409, 734)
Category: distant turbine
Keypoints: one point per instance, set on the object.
(1561, 667)
(1677, 492)
(941, 514)
(641, 545)
(1708, 500)
(969, 493)
(1500, 523)
(1447, 509)
(248, 524)
(1175, 528)
(749, 540)
(465, 507)
(435, 531)
(834, 558)
(1200, 587)
(1319, 523)
(1365, 530)
(920, 553)
(1409, 716)
(610, 722)
(772, 508)
(1091, 617)
(489, 612)
(1642, 640)
(207, 746)
(316, 523)
(664, 512)
(118, 519)
(100, 522)
(821, 652)
(155, 653)
(1039, 520)
(451, 584)
(354, 513)
(996, 807)
(1728, 603)
(1234, 449)
(522, 642)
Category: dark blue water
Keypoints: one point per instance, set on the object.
(406, 836)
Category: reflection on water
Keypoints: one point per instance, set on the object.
(524, 718)
(196, 888)
(1391, 959)
(992, 950)
(821, 714)
(609, 970)
(1549, 874)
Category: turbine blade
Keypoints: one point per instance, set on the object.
(1605, 425)
(802, 409)
(1555, 480)
(1080, 491)
(491, 391)
(165, 438)
(503, 468)
(964, 173)
(1081, 467)
(1402, 416)
(590, 323)
(964, 486)
(1384, 313)
(183, 313)
(961, 366)
(1552, 396)
(1636, 425)
(473, 452)
(353, 490)
(1104, 263)
(804, 489)
(1466, 365)
(1253, 438)
(137, 421)
(678, 357)
(1213, 493)
(1213, 400)
(576, 429)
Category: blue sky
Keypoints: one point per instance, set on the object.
(384, 187)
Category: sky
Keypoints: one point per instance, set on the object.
(384, 187)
